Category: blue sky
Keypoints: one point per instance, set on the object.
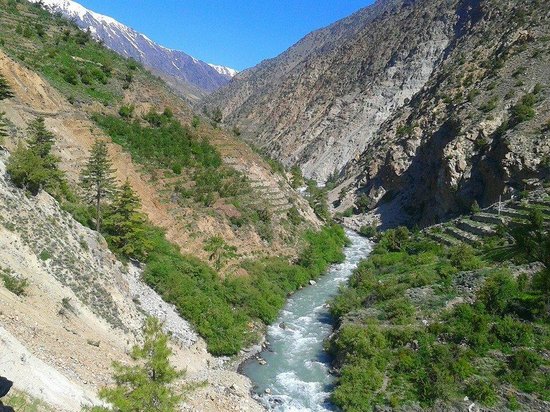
(234, 33)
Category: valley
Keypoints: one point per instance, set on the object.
(360, 223)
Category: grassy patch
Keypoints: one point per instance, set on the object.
(13, 283)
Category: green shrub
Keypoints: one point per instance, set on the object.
(525, 362)
(368, 231)
(15, 284)
(513, 332)
(364, 375)
(482, 391)
(463, 257)
(499, 292)
(45, 255)
(32, 172)
(395, 240)
(126, 111)
(523, 110)
(399, 311)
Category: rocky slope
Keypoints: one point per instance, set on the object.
(476, 131)
(190, 76)
(321, 102)
(402, 102)
(82, 309)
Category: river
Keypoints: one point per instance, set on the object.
(296, 376)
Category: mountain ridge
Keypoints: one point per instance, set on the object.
(188, 75)
(367, 102)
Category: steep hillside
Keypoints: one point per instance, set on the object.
(173, 202)
(81, 309)
(320, 103)
(452, 318)
(477, 130)
(192, 77)
(405, 102)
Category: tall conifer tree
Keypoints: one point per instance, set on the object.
(97, 178)
(126, 225)
(5, 89)
(145, 386)
(40, 139)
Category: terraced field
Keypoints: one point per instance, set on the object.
(488, 222)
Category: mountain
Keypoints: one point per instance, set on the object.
(412, 108)
(191, 76)
(318, 104)
(227, 225)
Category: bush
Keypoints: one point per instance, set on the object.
(525, 362)
(126, 111)
(14, 284)
(30, 171)
(463, 257)
(395, 240)
(523, 110)
(513, 332)
(368, 231)
(399, 311)
(364, 375)
(499, 292)
(482, 391)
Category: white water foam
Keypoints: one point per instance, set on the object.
(297, 375)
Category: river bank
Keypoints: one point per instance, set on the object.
(293, 372)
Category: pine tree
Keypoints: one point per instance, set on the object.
(5, 89)
(40, 139)
(147, 385)
(97, 178)
(3, 128)
(34, 167)
(125, 225)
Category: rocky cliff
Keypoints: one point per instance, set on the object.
(477, 130)
(321, 102)
(411, 102)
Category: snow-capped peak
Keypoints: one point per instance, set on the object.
(73, 9)
(226, 71)
(132, 44)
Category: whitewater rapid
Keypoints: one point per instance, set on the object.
(296, 376)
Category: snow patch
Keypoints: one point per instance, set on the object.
(226, 71)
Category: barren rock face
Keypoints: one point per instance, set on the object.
(320, 103)
(411, 103)
(478, 128)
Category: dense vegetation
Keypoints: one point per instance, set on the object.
(421, 323)
(222, 310)
(162, 140)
